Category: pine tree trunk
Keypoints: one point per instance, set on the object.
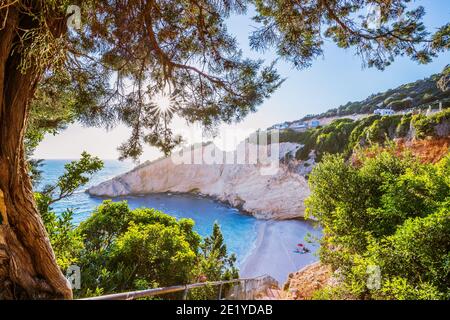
(28, 268)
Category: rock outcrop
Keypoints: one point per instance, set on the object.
(302, 284)
(265, 195)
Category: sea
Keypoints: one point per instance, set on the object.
(240, 230)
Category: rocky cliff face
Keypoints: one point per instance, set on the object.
(302, 285)
(278, 195)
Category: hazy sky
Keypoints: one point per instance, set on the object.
(334, 79)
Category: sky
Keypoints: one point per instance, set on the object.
(333, 80)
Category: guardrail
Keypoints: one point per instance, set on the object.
(251, 287)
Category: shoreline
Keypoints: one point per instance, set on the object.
(200, 196)
(191, 194)
(273, 252)
(250, 257)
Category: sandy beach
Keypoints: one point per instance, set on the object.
(274, 254)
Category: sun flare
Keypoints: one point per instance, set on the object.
(164, 103)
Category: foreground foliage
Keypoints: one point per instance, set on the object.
(65, 240)
(388, 211)
(127, 249)
(119, 249)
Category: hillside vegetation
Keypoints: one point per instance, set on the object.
(419, 94)
(383, 205)
(386, 224)
(344, 135)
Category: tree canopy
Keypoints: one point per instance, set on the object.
(379, 30)
(128, 52)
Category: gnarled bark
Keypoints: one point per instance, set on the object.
(28, 268)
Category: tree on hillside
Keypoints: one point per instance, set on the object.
(128, 51)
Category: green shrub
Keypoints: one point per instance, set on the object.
(389, 211)
(399, 288)
(383, 128)
(356, 137)
(419, 250)
(397, 105)
(426, 126)
(403, 127)
(128, 250)
(422, 126)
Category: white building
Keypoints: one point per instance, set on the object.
(384, 112)
(280, 126)
(298, 126)
(315, 123)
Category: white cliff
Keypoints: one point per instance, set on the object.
(276, 194)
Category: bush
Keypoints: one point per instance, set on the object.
(397, 105)
(128, 250)
(422, 126)
(426, 126)
(332, 138)
(382, 129)
(119, 249)
(356, 137)
(64, 237)
(389, 211)
(398, 288)
(404, 126)
(418, 250)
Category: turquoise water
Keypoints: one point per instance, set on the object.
(240, 231)
(80, 202)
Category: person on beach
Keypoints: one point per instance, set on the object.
(301, 249)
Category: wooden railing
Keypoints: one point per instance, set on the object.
(250, 287)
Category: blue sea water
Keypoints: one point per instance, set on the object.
(240, 231)
(80, 202)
